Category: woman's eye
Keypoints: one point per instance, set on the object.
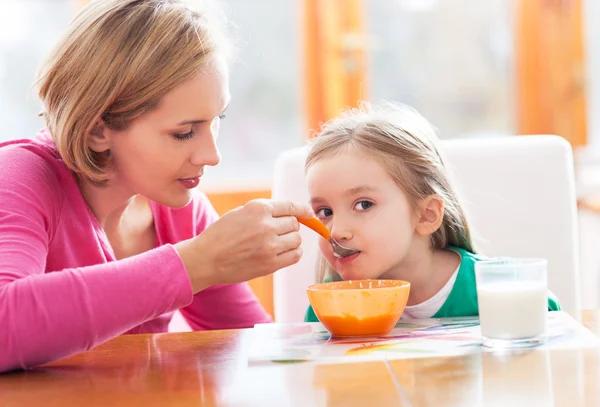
(324, 213)
(363, 205)
(184, 136)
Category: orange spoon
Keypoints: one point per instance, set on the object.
(318, 226)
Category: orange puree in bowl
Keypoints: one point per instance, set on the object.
(348, 325)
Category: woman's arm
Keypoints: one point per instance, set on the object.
(45, 317)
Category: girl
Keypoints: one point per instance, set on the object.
(377, 180)
(102, 229)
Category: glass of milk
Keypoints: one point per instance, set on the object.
(513, 301)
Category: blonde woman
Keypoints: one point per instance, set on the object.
(102, 229)
(376, 179)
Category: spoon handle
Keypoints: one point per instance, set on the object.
(316, 225)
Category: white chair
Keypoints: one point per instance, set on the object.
(519, 195)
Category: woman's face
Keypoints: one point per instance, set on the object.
(163, 153)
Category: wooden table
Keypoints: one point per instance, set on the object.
(210, 369)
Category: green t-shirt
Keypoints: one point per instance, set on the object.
(462, 300)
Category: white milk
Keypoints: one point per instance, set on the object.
(512, 310)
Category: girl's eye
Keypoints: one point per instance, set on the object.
(324, 213)
(363, 205)
(184, 136)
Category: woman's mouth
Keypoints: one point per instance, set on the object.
(189, 183)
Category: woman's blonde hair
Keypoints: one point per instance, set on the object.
(117, 59)
(405, 144)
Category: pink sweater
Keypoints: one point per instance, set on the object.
(61, 289)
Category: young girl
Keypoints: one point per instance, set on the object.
(377, 180)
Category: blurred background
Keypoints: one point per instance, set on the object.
(473, 68)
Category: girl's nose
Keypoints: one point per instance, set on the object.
(341, 231)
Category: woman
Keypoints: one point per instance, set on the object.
(102, 229)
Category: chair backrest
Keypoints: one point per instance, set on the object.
(519, 196)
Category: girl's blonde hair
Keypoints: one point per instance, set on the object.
(116, 61)
(405, 144)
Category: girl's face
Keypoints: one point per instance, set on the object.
(163, 153)
(365, 209)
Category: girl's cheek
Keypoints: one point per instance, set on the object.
(325, 248)
(322, 245)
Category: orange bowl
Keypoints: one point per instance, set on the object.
(359, 307)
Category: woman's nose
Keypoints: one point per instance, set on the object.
(206, 151)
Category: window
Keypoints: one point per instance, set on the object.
(265, 114)
(28, 31)
(452, 60)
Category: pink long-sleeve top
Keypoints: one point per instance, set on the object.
(61, 289)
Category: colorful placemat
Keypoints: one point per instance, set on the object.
(295, 342)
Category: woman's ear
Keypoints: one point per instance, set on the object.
(99, 141)
(430, 215)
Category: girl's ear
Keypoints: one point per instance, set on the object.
(430, 215)
(99, 141)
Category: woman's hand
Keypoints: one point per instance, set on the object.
(251, 241)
